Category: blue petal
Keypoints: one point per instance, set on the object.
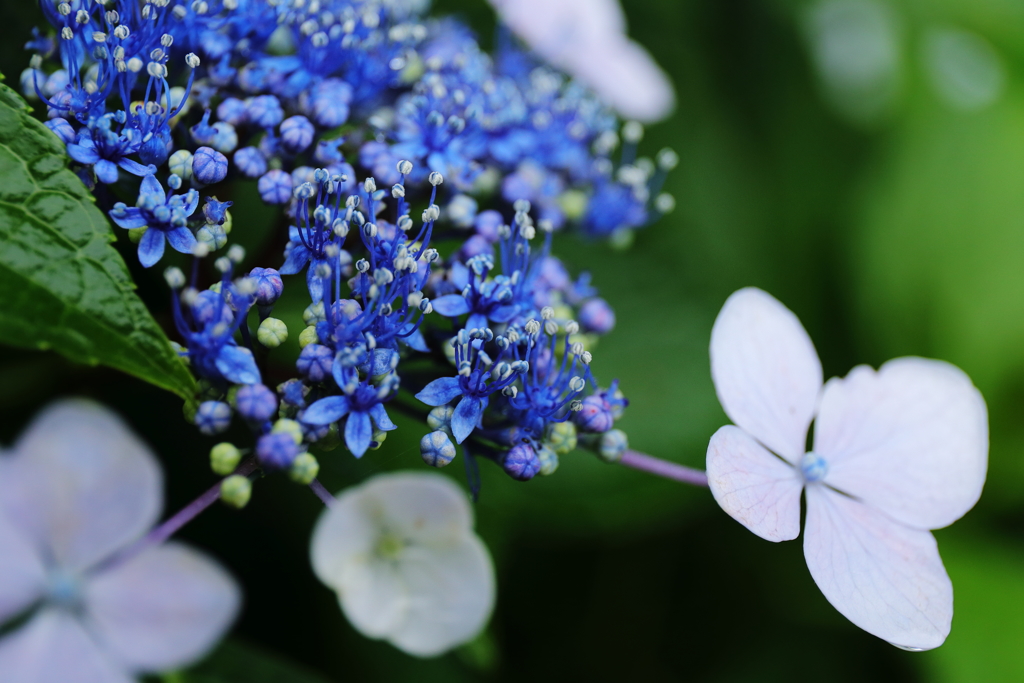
(135, 168)
(182, 240)
(477, 321)
(415, 341)
(450, 305)
(459, 276)
(440, 391)
(295, 260)
(466, 417)
(326, 410)
(151, 248)
(503, 314)
(314, 284)
(106, 171)
(237, 365)
(358, 433)
(151, 188)
(83, 154)
(381, 419)
(132, 218)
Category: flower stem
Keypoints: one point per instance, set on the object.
(664, 468)
(322, 493)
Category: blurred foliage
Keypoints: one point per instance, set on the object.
(890, 229)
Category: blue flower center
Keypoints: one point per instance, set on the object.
(813, 467)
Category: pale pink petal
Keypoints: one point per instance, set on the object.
(766, 371)
(555, 29)
(22, 574)
(54, 648)
(754, 487)
(81, 484)
(450, 595)
(162, 609)
(625, 76)
(885, 577)
(910, 439)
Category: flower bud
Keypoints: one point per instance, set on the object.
(593, 415)
(272, 333)
(213, 417)
(296, 134)
(308, 336)
(315, 362)
(561, 436)
(290, 427)
(255, 402)
(275, 187)
(209, 166)
(304, 469)
(612, 446)
(521, 462)
(224, 458)
(236, 490)
(597, 316)
(437, 449)
(548, 460)
(276, 451)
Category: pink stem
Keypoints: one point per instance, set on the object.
(322, 493)
(664, 468)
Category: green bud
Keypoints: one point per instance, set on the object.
(612, 445)
(304, 468)
(439, 419)
(449, 351)
(181, 163)
(308, 336)
(272, 333)
(236, 490)
(378, 439)
(214, 236)
(548, 460)
(561, 437)
(224, 458)
(314, 314)
(573, 203)
(622, 239)
(135, 234)
(288, 427)
(227, 222)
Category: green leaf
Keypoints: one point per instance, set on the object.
(64, 287)
(237, 662)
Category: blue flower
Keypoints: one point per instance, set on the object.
(99, 146)
(208, 325)
(364, 409)
(164, 215)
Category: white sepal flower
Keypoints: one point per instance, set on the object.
(401, 553)
(587, 38)
(76, 489)
(897, 452)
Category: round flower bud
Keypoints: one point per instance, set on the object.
(275, 187)
(209, 166)
(213, 236)
(561, 437)
(213, 417)
(594, 415)
(304, 469)
(231, 110)
(225, 139)
(597, 316)
(487, 224)
(264, 111)
(236, 490)
(180, 164)
(314, 314)
(289, 427)
(269, 285)
(379, 437)
(315, 362)
(224, 458)
(521, 462)
(612, 445)
(308, 336)
(277, 451)
(62, 129)
(296, 134)
(255, 402)
(440, 419)
(548, 460)
(437, 449)
(272, 333)
(250, 162)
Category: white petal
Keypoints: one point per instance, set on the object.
(766, 371)
(372, 595)
(450, 596)
(161, 609)
(22, 574)
(625, 76)
(81, 484)
(885, 577)
(567, 25)
(910, 439)
(54, 648)
(757, 489)
(423, 507)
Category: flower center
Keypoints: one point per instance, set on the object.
(64, 589)
(813, 467)
(390, 546)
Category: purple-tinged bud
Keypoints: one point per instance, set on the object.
(213, 417)
(276, 451)
(62, 129)
(209, 166)
(594, 416)
(474, 246)
(327, 152)
(521, 462)
(327, 102)
(597, 316)
(225, 139)
(250, 162)
(315, 362)
(255, 402)
(264, 111)
(487, 224)
(275, 187)
(437, 449)
(232, 110)
(296, 134)
(268, 285)
(293, 393)
(613, 445)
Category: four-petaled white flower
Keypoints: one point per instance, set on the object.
(587, 38)
(76, 489)
(401, 553)
(897, 452)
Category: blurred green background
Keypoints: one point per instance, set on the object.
(861, 160)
